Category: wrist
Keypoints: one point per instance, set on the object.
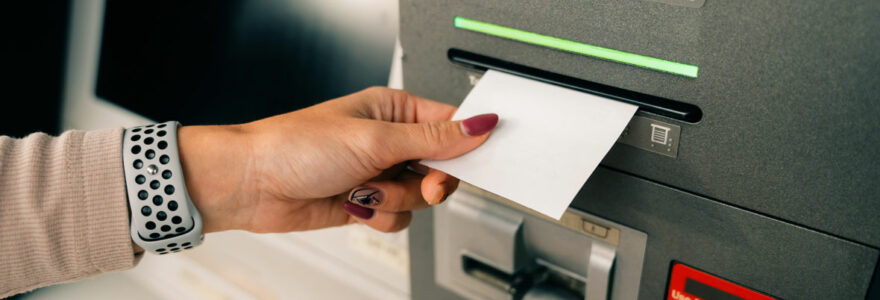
(215, 161)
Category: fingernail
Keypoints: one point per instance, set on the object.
(366, 196)
(437, 195)
(479, 124)
(358, 211)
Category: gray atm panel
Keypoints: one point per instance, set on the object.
(788, 90)
(774, 188)
(758, 252)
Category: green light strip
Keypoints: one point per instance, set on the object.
(576, 47)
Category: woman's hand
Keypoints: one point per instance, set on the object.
(331, 164)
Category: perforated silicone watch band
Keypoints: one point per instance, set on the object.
(163, 218)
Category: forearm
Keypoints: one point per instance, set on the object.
(63, 213)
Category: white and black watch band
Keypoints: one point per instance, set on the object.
(163, 218)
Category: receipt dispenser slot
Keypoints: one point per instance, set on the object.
(647, 103)
(488, 250)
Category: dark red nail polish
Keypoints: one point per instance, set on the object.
(479, 124)
(358, 211)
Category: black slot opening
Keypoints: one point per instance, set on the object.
(515, 284)
(648, 103)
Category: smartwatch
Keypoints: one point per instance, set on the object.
(163, 218)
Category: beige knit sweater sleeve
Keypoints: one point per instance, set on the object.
(63, 209)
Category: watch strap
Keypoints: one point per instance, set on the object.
(163, 218)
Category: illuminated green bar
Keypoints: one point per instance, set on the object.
(576, 47)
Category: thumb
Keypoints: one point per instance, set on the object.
(440, 140)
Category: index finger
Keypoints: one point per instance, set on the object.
(436, 186)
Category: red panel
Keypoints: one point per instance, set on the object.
(680, 273)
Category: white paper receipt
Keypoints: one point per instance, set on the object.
(547, 143)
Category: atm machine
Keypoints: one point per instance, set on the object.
(749, 171)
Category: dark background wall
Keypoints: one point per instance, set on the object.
(33, 43)
(232, 61)
(211, 62)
